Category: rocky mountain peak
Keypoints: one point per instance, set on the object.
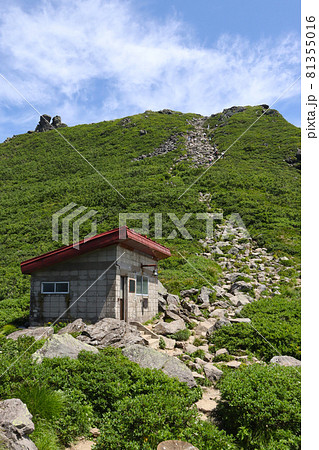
(45, 123)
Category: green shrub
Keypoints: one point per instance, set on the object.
(275, 329)
(77, 417)
(181, 335)
(260, 405)
(198, 342)
(198, 354)
(162, 344)
(143, 422)
(223, 358)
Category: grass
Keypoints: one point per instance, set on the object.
(41, 173)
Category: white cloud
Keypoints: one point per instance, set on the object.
(93, 60)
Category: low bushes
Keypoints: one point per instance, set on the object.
(143, 422)
(260, 405)
(275, 321)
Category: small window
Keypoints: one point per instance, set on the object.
(132, 286)
(57, 287)
(141, 285)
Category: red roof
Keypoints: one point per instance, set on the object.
(123, 236)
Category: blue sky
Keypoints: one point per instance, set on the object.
(94, 60)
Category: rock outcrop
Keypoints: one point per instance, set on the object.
(77, 326)
(111, 332)
(45, 123)
(15, 425)
(148, 357)
(59, 346)
(285, 361)
(37, 333)
(166, 328)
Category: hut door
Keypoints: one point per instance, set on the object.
(122, 298)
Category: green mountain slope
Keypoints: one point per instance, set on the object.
(41, 173)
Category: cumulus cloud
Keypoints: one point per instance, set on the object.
(94, 60)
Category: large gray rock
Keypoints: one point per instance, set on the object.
(169, 327)
(212, 373)
(240, 286)
(285, 361)
(161, 289)
(37, 333)
(74, 327)
(59, 346)
(189, 292)
(148, 357)
(203, 297)
(203, 327)
(172, 299)
(57, 122)
(15, 425)
(44, 123)
(111, 333)
(240, 299)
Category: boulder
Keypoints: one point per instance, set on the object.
(190, 348)
(161, 303)
(240, 299)
(172, 299)
(212, 373)
(285, 361)
(74, 327)
(219, 313)
(44, 123)
(57, 123)
(221, 351)
(240, 286)
(161, 289)
(37, 333)
(233, 364)
(15, 425)
(111, 333)
(153, 359)
(191, 307)
(169, 343)
(203, 297)
(203, 327)
(220, 292)
(59, 346)
(171, 315)
(189, 292)
(169, 328)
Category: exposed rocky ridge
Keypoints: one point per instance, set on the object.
(45, 123)
(168, 146)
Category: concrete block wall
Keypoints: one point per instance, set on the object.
(90, 297)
